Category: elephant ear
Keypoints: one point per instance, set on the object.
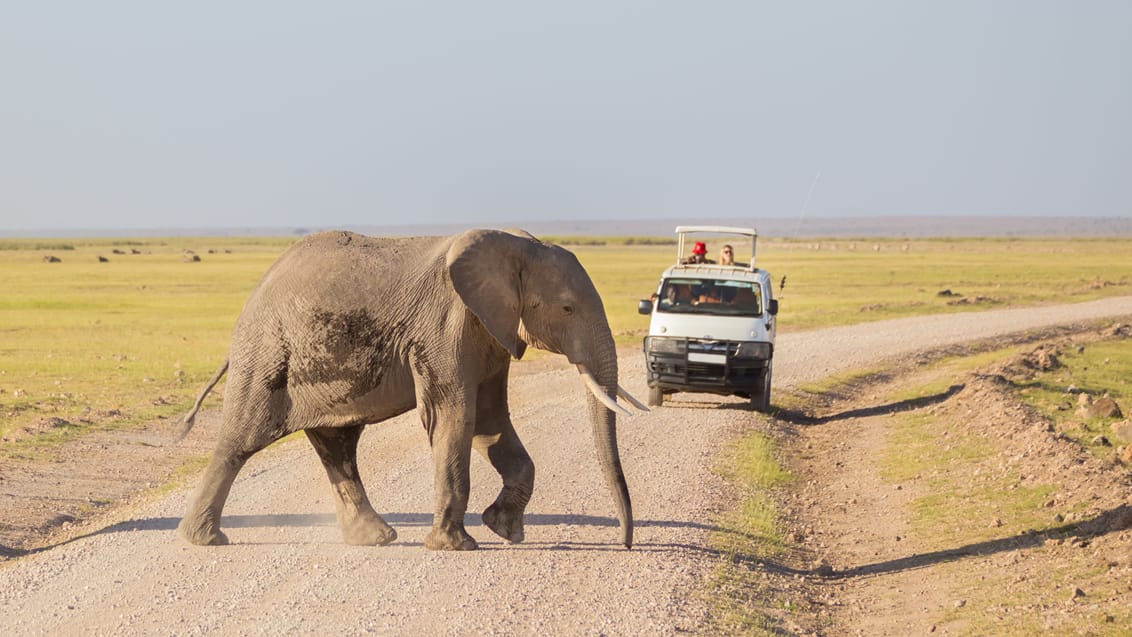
(485, 267)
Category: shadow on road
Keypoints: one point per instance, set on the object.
(800, 418)
(306, 520)
(1111, 521)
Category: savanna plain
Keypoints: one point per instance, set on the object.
(976, 487)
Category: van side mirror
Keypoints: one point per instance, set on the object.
(773, 309)
(644, 307)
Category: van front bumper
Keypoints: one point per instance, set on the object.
(722, 367)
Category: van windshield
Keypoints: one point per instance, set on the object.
(720, 297)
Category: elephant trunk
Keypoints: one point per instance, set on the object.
(605, 439)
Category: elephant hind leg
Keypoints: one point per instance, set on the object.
(201, 524)
(238, 442)
(338, 450)
(256, 410)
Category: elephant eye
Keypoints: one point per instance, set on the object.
(568, 309)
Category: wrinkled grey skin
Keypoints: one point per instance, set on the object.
(347, 330)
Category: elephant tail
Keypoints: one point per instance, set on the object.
(187, 421)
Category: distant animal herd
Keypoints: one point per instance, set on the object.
(188, 256)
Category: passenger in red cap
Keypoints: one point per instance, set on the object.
(699, 254)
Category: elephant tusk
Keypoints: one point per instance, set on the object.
(629, 397)
(599, 393)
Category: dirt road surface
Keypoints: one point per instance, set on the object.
(288, 572)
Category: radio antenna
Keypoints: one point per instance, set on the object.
(806, 203)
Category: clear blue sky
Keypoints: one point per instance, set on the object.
(203, 114)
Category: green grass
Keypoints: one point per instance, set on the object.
(83, 340)
(962, 506)
(918, 450)
(750, 532)
(840, 384)
(1102, 368)
(957, 512)
(749, 464)
(829, 286)
(80, 339)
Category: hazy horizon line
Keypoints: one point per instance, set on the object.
(807, 226)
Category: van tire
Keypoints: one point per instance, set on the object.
(760, 400)
(656, 396)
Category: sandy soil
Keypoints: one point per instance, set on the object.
(1003, 525)
(74, 569)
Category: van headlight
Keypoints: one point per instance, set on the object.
(754, 350)
(661, 345)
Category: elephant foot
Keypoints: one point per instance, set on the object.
(202, 535)
(450, 540)
(367, 531)
(505, 523)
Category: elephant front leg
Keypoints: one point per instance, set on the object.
(497, 441)
(510, 459)
(451, 448)
(338, 450)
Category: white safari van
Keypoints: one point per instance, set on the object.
(712, 326)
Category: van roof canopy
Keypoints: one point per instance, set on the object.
(732, 230)
(747, 232)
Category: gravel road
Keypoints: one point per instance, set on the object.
(288, 571)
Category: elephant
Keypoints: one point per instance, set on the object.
(346, 330)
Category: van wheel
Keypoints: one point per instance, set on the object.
(760, 400)
(656, 397)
